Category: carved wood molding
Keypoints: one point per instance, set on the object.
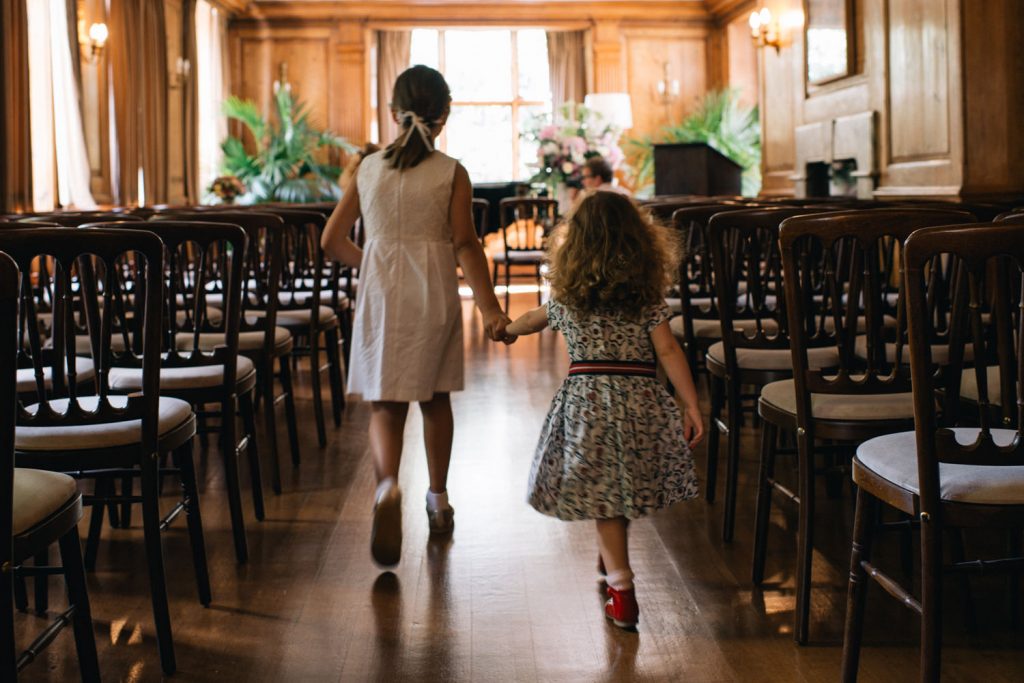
(463, 11)
(727, 10)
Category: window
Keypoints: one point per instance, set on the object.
(499, 80)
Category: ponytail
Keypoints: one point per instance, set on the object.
(420, 100)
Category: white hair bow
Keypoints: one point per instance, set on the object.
(416, 123)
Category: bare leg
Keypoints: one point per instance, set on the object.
(613, 539)
(387, 426)
(438, 426)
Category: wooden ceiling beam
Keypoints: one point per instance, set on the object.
(466, 11)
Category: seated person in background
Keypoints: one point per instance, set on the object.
(597, 175)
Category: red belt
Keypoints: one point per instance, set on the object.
(613, 367)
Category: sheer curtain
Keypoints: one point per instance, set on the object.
(393, 53)
(59, 158)
(567, 65)
(211, 28)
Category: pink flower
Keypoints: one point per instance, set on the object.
(548, 132)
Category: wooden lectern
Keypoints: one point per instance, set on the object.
(694, 168)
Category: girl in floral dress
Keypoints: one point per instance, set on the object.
(614, 446)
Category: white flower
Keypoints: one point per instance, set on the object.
(568, 167)
(550, 148)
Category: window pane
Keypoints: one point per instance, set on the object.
(481, 138)
(424, 48)
(534, 76)
(478, 65)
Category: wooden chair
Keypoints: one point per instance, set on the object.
(744, 249)
(306, 287)
(37, 509)
(481, 207)
(260, 338)
(202, 257)
(524, 223)
(946, 474)
(835, 272)
(109, 436)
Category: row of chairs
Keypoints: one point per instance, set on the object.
(802, 313)
(132, 336)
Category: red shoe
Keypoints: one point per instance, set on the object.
(621, 608)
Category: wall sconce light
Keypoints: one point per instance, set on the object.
(667, 90)
(764, 29)
(179, 75)
(92, 43)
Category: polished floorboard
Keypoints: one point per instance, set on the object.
(512, 596)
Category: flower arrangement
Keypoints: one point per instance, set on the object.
(565, 142)
(226, 188)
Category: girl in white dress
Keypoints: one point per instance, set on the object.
(416, 207)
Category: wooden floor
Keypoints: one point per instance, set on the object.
(512, 596)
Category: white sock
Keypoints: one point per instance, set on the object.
(437, 501)
(385, 485)
(620, 579)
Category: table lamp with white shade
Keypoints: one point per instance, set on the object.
(614, 108)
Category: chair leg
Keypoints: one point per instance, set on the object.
(229, 453)
(714, 435)
(957, 554)
(318, 399)
(732, 465)
(805, 535)
(1013, 546)
(245, 407)
(270, 424)
(508, 285)
(42, 582)
(8, 603)
(190, 496)
(127, 487)
(931, 600)
(332, 341)
(102, 486)
(766, 471)
(78, 595)
(539, 283)
(289, 408)
(155, 561)
(20, 593)
(857, 589)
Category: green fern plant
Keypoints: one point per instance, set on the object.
(720, 121)
(286, 164)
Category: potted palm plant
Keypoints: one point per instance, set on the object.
(287, 163)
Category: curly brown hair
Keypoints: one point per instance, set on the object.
(608, 256)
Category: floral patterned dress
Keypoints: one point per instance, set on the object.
(612, 445)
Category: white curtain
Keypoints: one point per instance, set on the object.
(57, 132)
(211, 27)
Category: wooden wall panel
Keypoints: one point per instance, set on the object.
(918, 79)
(741, 60)
(648, 53)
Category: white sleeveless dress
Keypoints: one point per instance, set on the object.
(407, 333)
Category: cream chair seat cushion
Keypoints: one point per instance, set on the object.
(297, 317)
(527, 256)
(39, 494)
(198, 377)
(940, 352)
(775, 359)
(712, 329)
(172, 413)
(860, 407)
(894, 458)
(969, 385)
(27, 376)
(247, 341)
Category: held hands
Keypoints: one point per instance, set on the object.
(693, 427)
(494, 327)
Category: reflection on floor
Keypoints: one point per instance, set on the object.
(512, 596)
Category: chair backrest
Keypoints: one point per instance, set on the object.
(989, 260)
(481, 207)
(525, 221)
(744, 249)
(1016, 216)
(86, 264)
(261, 274)
(199, 257)
(9, 288)
(696, 279)
(841, 272)
(74, 219)
(304, 265)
